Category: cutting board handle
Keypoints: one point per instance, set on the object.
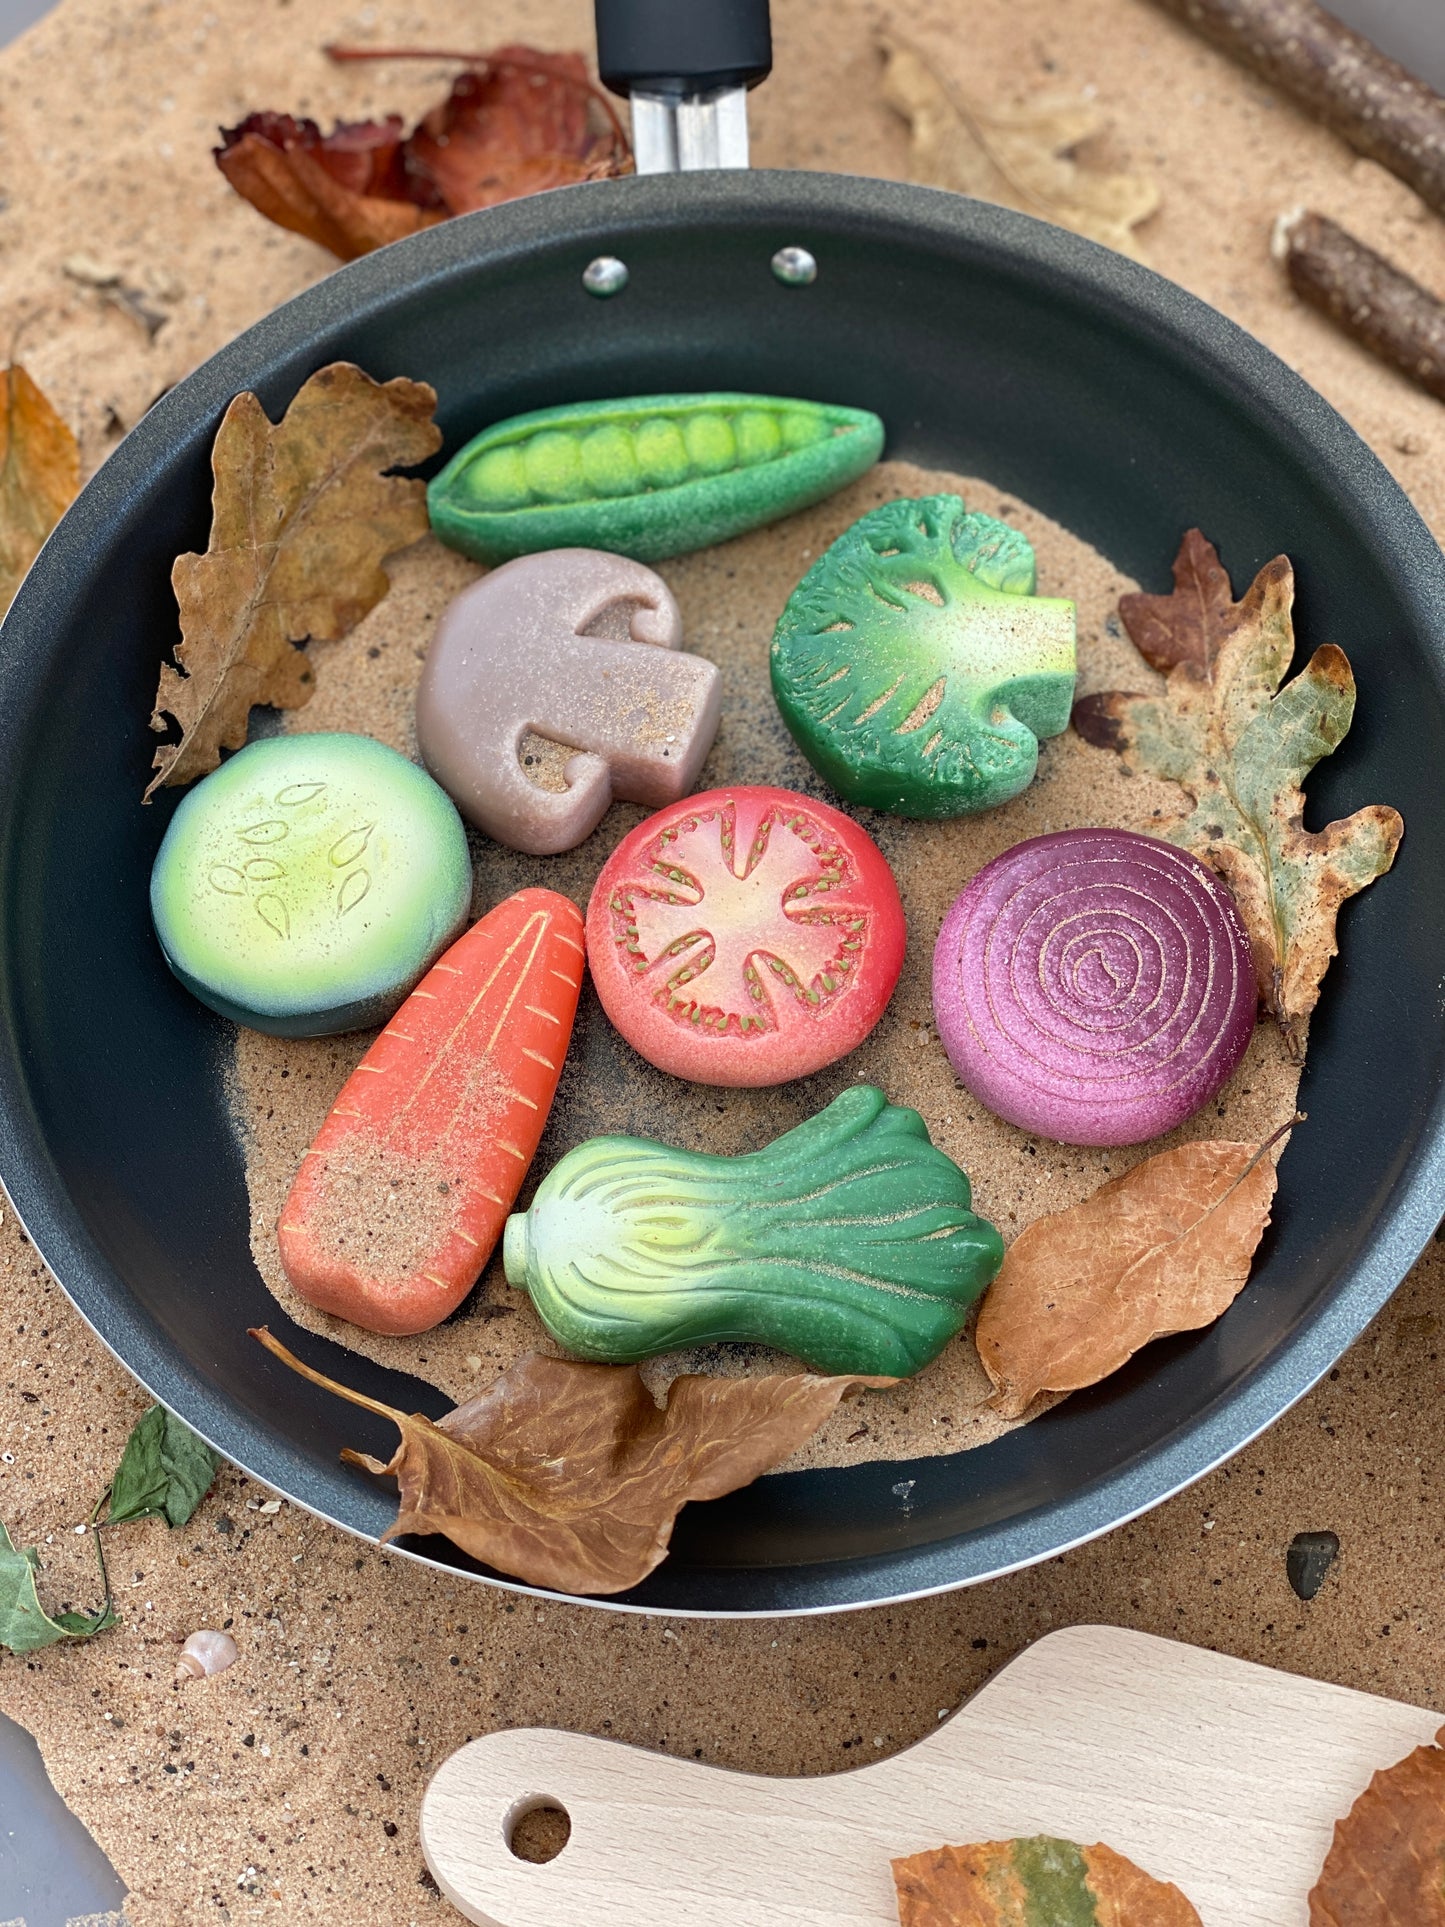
(1223, 1777)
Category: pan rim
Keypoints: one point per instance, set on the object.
(592, 215)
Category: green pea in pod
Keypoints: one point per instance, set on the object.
(848, 1242)
(650, 476)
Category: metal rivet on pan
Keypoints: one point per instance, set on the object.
(795, 267)
(604, 276)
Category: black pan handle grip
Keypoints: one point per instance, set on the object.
(682, 48)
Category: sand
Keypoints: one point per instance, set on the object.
(287, 1788)
(730, 598)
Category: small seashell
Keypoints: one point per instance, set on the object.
(206, 1653)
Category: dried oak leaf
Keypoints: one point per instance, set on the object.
(303, 515)
(519, 122)
(1386, 1863)
(39, 476)
(571, 1476)
(1011, 1883)
(1165, 1248)
(1241, 746)
(1019, 156)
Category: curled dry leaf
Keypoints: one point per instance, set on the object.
(39, 476)
(517, 122)
(571, 1476)
(1011, 1883)
(303, 515)
(1019, 156)
(1165, 1248)
(1242, 746)
(1383, 1868)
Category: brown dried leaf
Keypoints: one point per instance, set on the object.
(1009, 1883)
(1165, 1248)
(512, 130)
(39, 476)
(1187, 628)
(517, 122)
(346, 190)
(1241, 746)
(1019, 156)
(1384, 1865)
(571, 1476)
(303, 515)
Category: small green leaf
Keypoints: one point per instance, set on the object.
(25, 1626)
(139, 1485)
(165, 1468)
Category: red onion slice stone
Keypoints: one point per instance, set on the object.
(1094, 986)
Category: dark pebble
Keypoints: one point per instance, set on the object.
(1310, 1556)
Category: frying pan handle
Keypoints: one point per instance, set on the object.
(686, 66)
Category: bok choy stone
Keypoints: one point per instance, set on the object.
(849, 1243)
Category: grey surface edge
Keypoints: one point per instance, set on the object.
(598, 214)
(52, 1870)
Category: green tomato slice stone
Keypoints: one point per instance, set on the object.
(307, 884)
(915, 666)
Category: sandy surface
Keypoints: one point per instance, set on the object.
(730, 598)
(287, 1788)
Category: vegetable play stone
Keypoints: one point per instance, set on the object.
(746, 936)
(848, 1242)
(402, 1196)
(646, 476)
(581, 648)
(916, 667)
(305, 885)
(1094, 986)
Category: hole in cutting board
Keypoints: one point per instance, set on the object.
(537, 1828)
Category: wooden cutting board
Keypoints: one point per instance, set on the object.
(1224, 1777)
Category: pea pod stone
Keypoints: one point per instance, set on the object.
(849, 1242)
(304, 886)
(916, 667)
(651, 476)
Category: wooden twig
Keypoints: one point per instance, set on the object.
(1336, 75)
(1366, 295)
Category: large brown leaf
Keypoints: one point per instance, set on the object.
(1164, 1248)
(39, 476)
(516, 122)
(304, 514)
(571, 1476)
(1015, 1883)
(1241, 746)
(1386, 1864)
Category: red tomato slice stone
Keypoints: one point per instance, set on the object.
(745, 936)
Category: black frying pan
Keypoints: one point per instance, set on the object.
(989, 344)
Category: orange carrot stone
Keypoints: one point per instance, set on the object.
(398, 1203)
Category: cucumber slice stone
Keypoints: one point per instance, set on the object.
(307, 884)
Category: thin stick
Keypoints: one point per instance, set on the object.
(277, 1350)
(1336, 75)
(1365, 295)
(107, 1610)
